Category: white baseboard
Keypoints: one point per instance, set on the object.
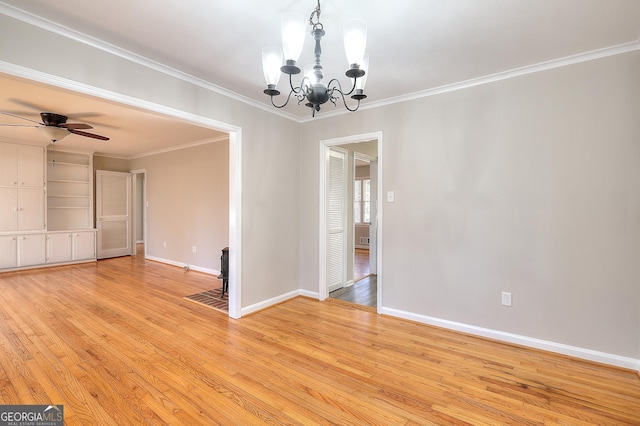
(269, 302)
(588, 354)
(182, 265)
(311, 294)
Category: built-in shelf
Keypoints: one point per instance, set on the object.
(69, 190)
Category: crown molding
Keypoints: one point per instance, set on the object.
(179, 147)
(516, 72)
(80, 37)
(64, 31)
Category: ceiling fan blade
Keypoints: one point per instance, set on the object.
(74, 126)
(18, 125)
(21, 118)
(28, 104)
(89, 135)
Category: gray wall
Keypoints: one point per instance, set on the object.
(188, 197)
(529, 185)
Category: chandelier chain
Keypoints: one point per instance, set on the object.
(316, 13)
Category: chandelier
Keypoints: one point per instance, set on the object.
(312, 90)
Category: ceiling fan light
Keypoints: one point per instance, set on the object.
(294, 26)
(355, 40)
(52, 133)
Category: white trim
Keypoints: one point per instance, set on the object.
(135, 174)
(324, 146)
(270, 302)
(183, 265)
(80, 37)
(64, 83)
(560, 348)
(64, 31)
(235, 223)
(235, 161)
(179, 147)
(310, 294)
(492, 78)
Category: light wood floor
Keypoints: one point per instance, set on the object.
(117, 345)
(360, 264)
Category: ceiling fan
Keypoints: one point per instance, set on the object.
(55, 127)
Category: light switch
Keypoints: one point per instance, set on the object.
(391, 196)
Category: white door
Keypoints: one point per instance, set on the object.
(113, 213)
(336, 219)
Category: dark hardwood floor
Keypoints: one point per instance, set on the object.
(364, 291)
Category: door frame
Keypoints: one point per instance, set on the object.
(235, 158)
(373, 240)
(136, 209)
(325, 144)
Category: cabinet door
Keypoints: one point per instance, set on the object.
(8, 209)
(84, 245)
(59, 247)
(31, 166)
(31, 212)
(8, 251)
(31, 250)
(8, 164)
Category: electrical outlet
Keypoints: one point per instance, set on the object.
(164, 244)
(506, 298)
(193, 249)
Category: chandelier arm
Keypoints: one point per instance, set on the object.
(339, 86)
(342, 95)
(285, 103)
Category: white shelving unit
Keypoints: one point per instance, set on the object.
(38, 230)
(69, 191)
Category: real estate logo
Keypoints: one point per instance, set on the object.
(31, 415)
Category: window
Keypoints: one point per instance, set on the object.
(362, 200)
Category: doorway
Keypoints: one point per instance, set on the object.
(327, 249)
(139, 201)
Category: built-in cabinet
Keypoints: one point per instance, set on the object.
(46, 207)
(70, 246)
(22, 188)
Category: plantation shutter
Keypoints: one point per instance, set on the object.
(336, 220)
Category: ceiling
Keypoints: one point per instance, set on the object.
(414, 46)
(131, 132)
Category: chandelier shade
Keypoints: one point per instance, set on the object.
(355, 40)
(271, 62)
(364, 66)
(311, 90)
(294, 28)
